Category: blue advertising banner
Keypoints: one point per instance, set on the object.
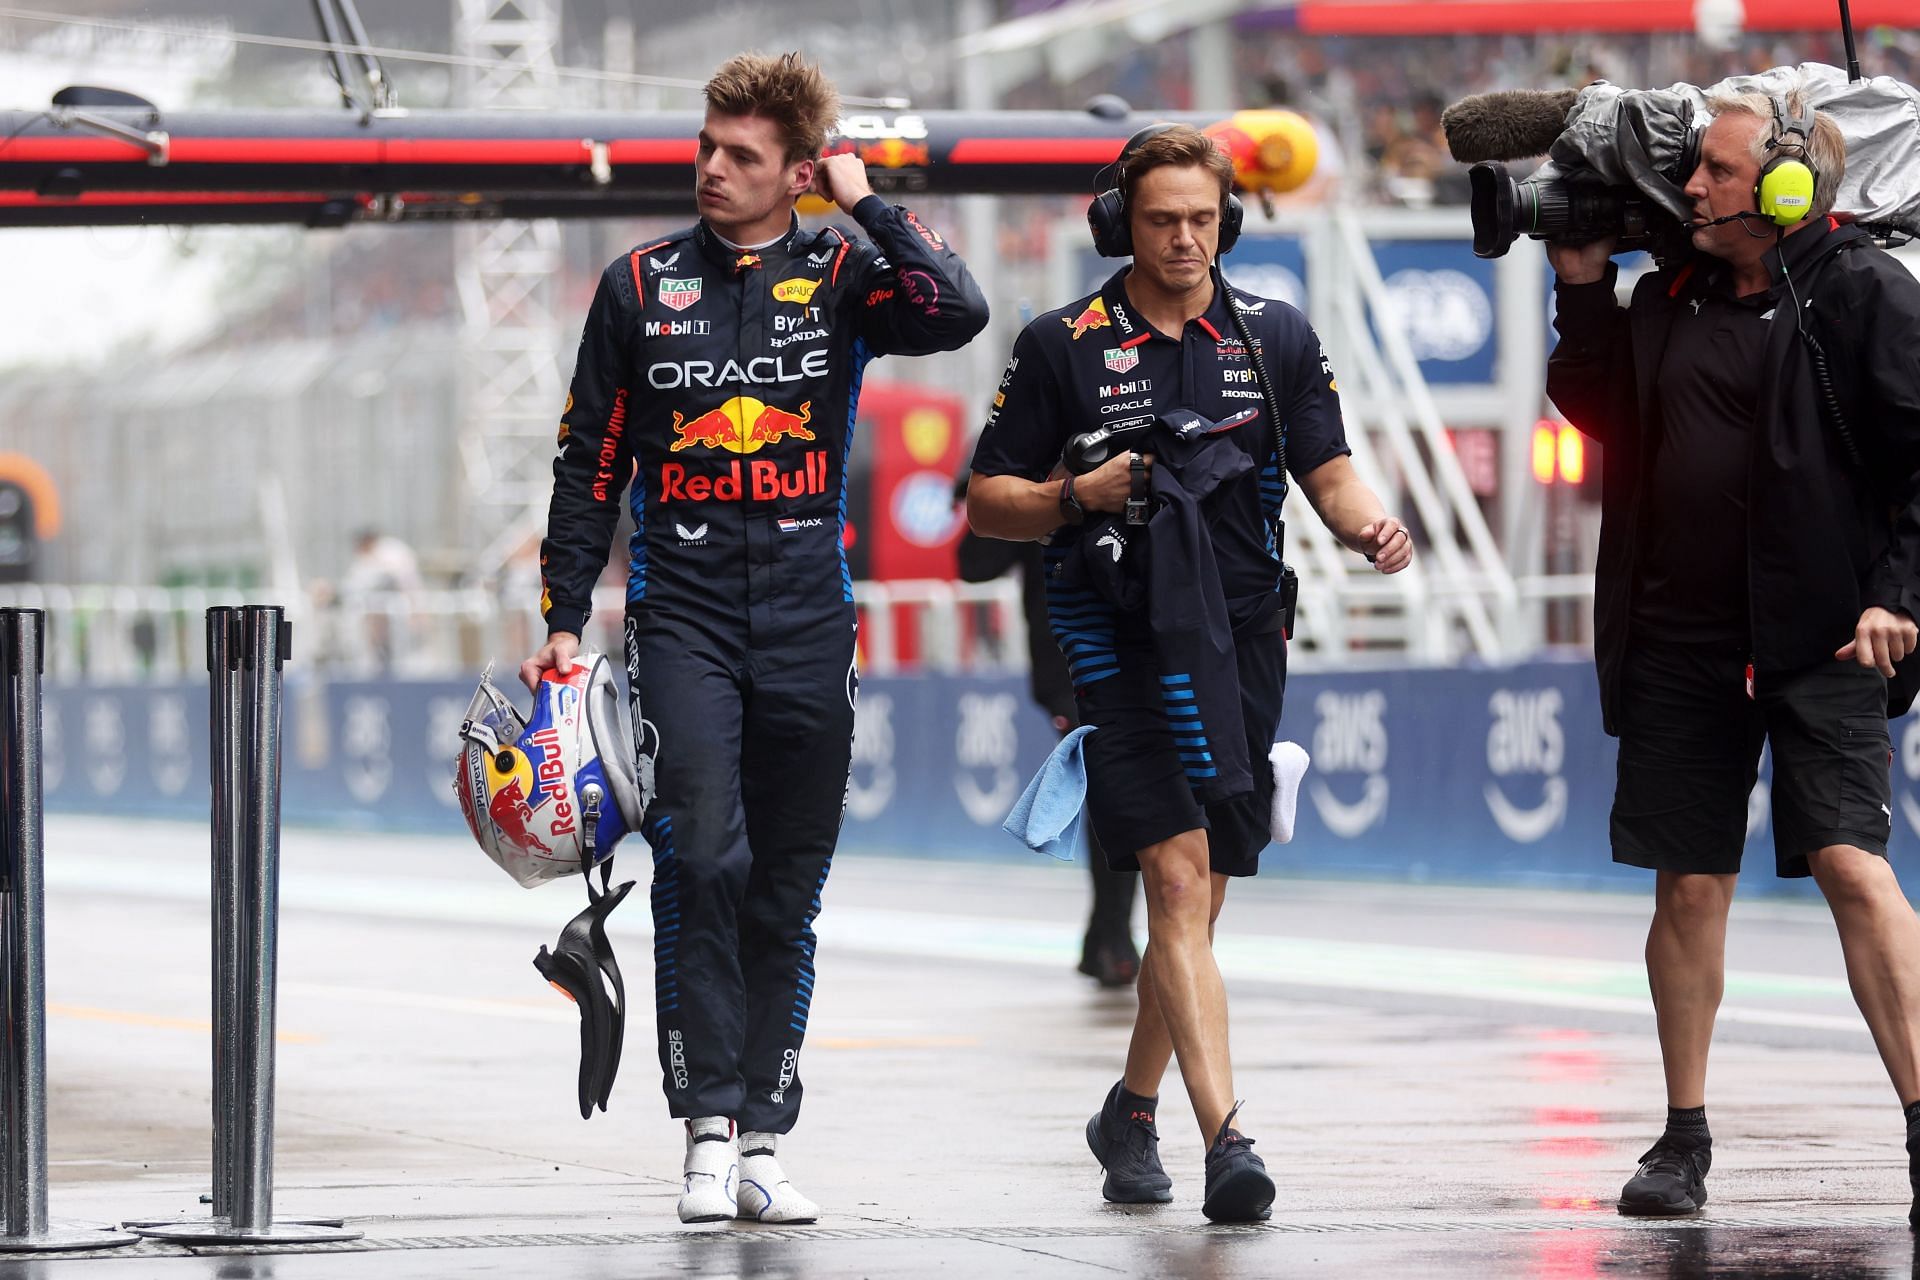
(1466, 776)
(1443, 298)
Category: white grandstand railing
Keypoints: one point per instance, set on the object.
(1460, 587)
(120, 634)
(126, 634)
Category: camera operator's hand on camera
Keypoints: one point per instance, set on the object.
(1108, 486)
(1580, 263)
(1882, 639)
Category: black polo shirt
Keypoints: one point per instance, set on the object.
(1691, 583)
(1097, 361)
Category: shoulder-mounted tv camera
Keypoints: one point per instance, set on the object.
(1618, 159)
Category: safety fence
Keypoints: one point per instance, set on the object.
(119, 634)
(1491, 776)
(124, 633)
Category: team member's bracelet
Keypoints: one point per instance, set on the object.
(1070, 509)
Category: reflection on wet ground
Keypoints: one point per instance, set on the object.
(1445, 1084)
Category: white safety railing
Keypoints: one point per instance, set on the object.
(121, 634)
(125, 634)
(1459, 595)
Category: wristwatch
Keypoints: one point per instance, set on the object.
(1070, 509)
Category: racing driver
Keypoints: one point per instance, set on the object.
(719, 370)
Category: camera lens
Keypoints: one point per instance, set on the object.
(1492, 195)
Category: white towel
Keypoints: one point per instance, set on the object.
(1289, 760)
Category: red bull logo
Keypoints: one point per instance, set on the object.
(552, 773)
(895, 153)
(508, 808)
(774, 424)
(1094, 317)
(742, 425)
(758, 480)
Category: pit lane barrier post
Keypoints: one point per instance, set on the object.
(246, 648)
(24, 1227)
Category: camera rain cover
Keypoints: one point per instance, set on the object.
(1648, 139)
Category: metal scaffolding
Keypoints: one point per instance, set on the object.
(512, 381)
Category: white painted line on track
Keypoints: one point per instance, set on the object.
(1513, 978)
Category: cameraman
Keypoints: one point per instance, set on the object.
(1750, 586)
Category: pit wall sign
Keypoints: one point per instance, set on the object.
(1483, 777)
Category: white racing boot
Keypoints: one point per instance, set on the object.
(765, 1194)
(712, 1171)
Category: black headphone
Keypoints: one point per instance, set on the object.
(1107, 215)
(1784, 190)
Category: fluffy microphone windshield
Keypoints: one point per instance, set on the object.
(1511, 124)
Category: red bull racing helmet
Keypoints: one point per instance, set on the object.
(552, 794)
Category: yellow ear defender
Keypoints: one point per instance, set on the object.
(1784, 192)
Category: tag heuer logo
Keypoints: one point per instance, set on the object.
(1121, 359)
(795, 290)
(679, 294)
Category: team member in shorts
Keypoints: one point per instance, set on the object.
(1178, 781)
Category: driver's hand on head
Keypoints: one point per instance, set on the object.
(841, 179)
(557, 654)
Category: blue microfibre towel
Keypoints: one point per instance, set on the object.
(1050, 815)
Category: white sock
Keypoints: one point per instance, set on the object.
(1289, 760)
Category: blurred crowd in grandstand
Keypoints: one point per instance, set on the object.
(1381, 98)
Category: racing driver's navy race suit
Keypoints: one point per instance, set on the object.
(730, 378)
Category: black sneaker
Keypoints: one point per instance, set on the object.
(1913, 1177)
(1671, 1181)
(1238, 1188)
(1128, 1148)
(1111, 964)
